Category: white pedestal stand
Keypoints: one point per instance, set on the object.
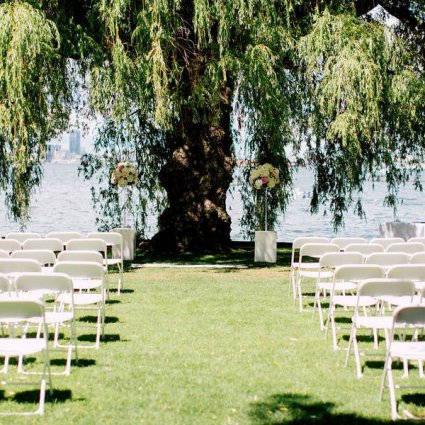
(265, 246)
(129, 242)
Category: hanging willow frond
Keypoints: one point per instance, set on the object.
(34, 98)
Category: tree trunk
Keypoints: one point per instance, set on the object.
(196, 178)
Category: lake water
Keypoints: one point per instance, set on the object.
(64, 202)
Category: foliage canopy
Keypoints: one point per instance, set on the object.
(316, 83)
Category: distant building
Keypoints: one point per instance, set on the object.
(53, 152)
(75, 142)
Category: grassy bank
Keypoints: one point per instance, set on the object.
(202, 346)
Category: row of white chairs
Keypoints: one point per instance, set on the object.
(369, 282)
(24, 289)
(95, 241)
(371, 253)
(352, 244)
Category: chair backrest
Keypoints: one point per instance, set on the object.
(42, 256)
(49, 283)
(407, 247)
(80, 269)
(17, 265)
(343, 242)
(299, 242)
(17, 311)
(417, 239)
(335, 259)
(356, 272)
(387, 287)
(10, 245)
(418, 258)
(386, 241)
(364, 248)
(388, 258)
(98, 245)
(407, 271)
(64, 237)
(114, 239)
(4, 253)
(22, 236)
(4, 283)
(316, 250)
(409, 315)
(52, 244)
(93, 256)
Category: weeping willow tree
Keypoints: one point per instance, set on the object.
(185, 84)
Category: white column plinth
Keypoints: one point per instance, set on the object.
(129, 242)
(265, 246)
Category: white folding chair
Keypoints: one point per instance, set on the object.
(388, 259)
(64, 237)
(417, 239)
(93, 256)
(414, 272)
(45, 257)
(407, 247)
(89, 280)
(52, 286)
(329, 262)
(52, 244)
(406, 318)
(5, 285)
(364, 248)
(22, 236)
(373, 291)
(10, 245)
(13, 266)
(342, 242)
(92, 244)
(4, 254)
(309, 270)
(418, 258)
(355, 273)
(18, 343)
(385, 242)
(296, 246)
(115, 240)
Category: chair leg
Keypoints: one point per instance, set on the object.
(300, 296)
(357, 356)
(391, 386)
(350, 343)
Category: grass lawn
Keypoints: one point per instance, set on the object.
(205, 346)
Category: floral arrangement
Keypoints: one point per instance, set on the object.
(124, 174)
(264, 176)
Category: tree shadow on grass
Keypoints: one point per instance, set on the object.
(32, 396)
(81, 363)
(105, 339)
(93, 319)
(123, 291)
(297, 409)
(109, 302)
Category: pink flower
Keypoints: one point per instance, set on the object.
(264, 180)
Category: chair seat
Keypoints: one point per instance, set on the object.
(81, 299)
(315, 274)
(21, 347)
(86, 284)
(58, 317)
(351, 301)
(408, 350)
(374, 322)
(112, 261)
(343, 286)
(405, 300)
